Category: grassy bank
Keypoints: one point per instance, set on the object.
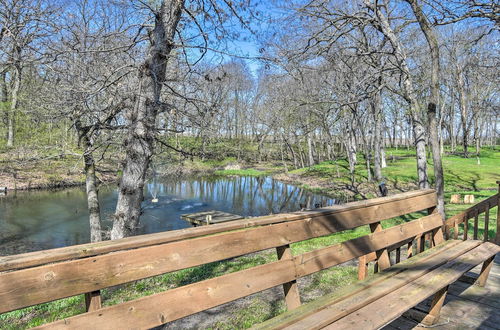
(461, 175)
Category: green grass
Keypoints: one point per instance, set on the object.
(242, 172)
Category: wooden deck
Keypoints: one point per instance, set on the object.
(466, 306)
(209, 217)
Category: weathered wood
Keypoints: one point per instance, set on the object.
(361, 212)
(93, 301)
(392, 305)
(362, 268)
(434, 312)
(319, 259)
(383, 260)
(157, 309)
(290, 289)
(485, 271)
(476, 225)
(410, 249)
(332, 307)
(497, 236)
(466, 229)
(38, 284)
(209, 217)
(486, 224)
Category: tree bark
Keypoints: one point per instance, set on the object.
(433, 102)
(139, 144)
(90, 184)
(377, 117)
(4, 98)
(11, 121)
(463, 111)
(409, 91)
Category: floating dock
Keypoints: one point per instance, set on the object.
(209, 217)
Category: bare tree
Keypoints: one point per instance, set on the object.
(431, 38)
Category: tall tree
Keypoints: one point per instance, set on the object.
(432, 41)
(139, 144)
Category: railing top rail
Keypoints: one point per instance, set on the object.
(426, 197)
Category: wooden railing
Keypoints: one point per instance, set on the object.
(458, 226)
(48, 275)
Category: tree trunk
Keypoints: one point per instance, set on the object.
(409, 90)
(11, 122)
(310, 150)
(378, 143)
(4, 99)
(139, 144)
(463, 111)
(433, 102)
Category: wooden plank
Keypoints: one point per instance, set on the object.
(362, 268)
(157, 309)
(476, 225)
(200, 218)
(331, 306)
(290, 289)
(497, 235)
(54, 281)
(362, 212)
(383, 260)
(392, 305)
(344, 308)
(93, 301)
(319, 259)
(437, 302)
(486, 224)
(485, 271)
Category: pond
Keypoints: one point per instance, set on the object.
(37, 220)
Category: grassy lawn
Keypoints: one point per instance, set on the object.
(462, 176)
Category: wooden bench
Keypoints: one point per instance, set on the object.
(38, 277)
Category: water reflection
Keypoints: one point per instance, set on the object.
(46, 219)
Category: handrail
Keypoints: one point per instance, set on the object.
(38, 258)
(473, 212)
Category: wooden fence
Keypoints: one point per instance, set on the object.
(458, 226)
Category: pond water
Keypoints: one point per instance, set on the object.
(36, 220)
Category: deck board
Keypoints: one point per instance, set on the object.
(466, 306)
(200, 218)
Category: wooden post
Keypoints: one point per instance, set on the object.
(485, 271)
(497, 237)
(476, 224)
(466, 228)
(362, 268)
(291, 289)
(486, 223)
(410, 250)
(93, 301)
(383, 260)
(437, 303)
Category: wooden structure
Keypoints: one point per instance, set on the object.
(209, 217)
(39, 277)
